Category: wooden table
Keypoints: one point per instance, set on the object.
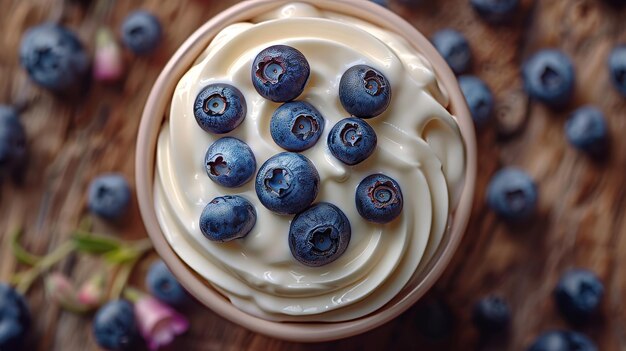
(582, 203)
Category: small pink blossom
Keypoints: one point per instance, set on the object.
(159, 324)
(108, 62)
(91, 293)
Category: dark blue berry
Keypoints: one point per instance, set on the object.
(379, 198)
(352, 140)
(227, 218)
(383, 3)
(114, 326)
(319, 234)
(12, 141)
(54, 58)
(491, 315)
(549, 77)
(434, 319)
(478, 97)
(287, 183)
(141, 32)
(496, 11)
(296, 126)
(617, 67)
(280, 72)
(454, 48)
(587, 130)
(512, 194)
(109, 196)
(364, 91)
(14, 318)
(164, 286)
(559, 340)
(230, 162)
(578, 295)
(219, 108)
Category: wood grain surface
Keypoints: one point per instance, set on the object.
(582, 202)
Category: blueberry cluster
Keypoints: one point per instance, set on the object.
(288, 182)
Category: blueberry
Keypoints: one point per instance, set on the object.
(578, 295)
(364, 91)
(478, 97)
(109, 196)
(549, 77)
(219, 108)
(559, 340)
(141, 32)
(14, 318)
(491, 314)
(495, 11)
(512, 194)
(54, 58)
(434, 319)
(352, 140)
(227, 218)
(454, 48)
(114, 326)
(617, 68)
(163, 285)
(287, 183)
(230, 162)
(12, 141)
(382, 3)
(319, 234)
(379, 198)
(279, 73)
(296, 126)
(586, 130)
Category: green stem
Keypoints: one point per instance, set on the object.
(125, 271)
(24, 280)
(132, 294)
(19, 252)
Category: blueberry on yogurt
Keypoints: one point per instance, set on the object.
(230, 162)
(352, 140)
(227, 218)
(287, 183)
(379, 198)
(364, 91)
(319, 235)
(280, 72)
(512, 194)
(296, 126)
(219, 108)
(454, 48)
(549, 77)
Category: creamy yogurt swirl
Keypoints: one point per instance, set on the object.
(419, 145)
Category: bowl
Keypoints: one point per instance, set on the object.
(154, 115)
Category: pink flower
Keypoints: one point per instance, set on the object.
(159, 324)
(60, 289)
(108, 63)
(91, 293)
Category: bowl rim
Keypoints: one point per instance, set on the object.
(154, 114)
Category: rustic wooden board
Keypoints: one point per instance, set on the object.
(582, 207)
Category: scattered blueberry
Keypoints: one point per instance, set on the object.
(559, 340)
(379, 198)
(617, 67)
(54, 58)
(434, 319)
(163, 285)
(219, 108)
(12, 141)
(319, 234)
(491, 315)
(227, 218)
(512, 194)
(382, 3)
(549, 77)
(287, 183)
(578, 295)
(296, 126)
(587, 130)
(109, 196)
(454, 48)
(279, 73)
(478, 97)
(114, 326)
(352, 140)
(496, 11)
(141, 32)
(230, 162)
(364, 91)
(14, 318)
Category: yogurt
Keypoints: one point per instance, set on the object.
(419, 145)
